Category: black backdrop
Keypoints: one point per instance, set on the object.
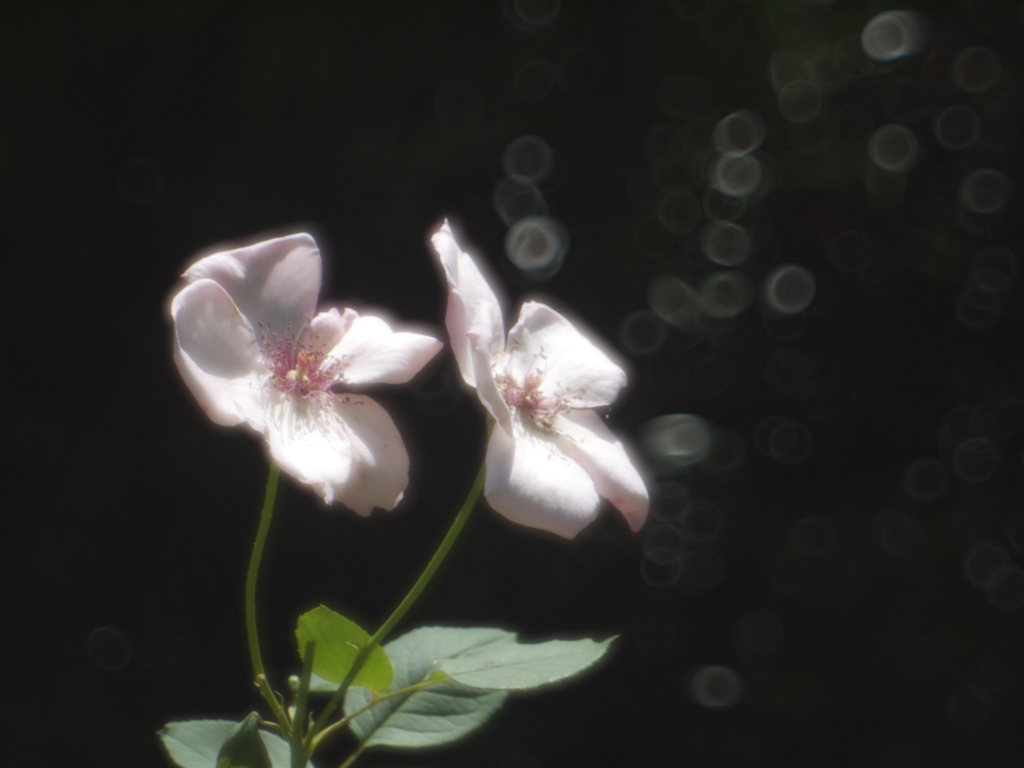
(854, 570)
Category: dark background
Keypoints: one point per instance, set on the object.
(865, 604)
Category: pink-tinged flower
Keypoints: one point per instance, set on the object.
(252, 349)
(550, 456)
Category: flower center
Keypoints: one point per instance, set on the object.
(528, 401)
(298, 367)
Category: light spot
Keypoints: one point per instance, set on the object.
(681, 436)
(741, 132)
(975, 459)
(528, 159)
(977, 308)
(813, 536)
(531, 15)
(925, 479)
(982, 561)
(897, 533)
(789, 442)
(651, 238)
(984, 191)
(789, 289)
(534, 80)
(673, 300)
(702, 521)
(734, 174)
(892, 35)
(725, 243)
(799, 101)
(515, 200)
(669, 499)
(1005, 588)
(725, 294)
(976, 69)
(893, 148)
(787, 65)
(537, 245)
(719, 206)
(957, 127)
(641, 333)
(661, 568)
(716, 687)
(108, 648)
(664, 537)
(995, 269)
(679, 211)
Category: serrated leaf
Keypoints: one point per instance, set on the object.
(338, 641)
(197, 743)
(440, 714)
(243, 748)
(515, 666)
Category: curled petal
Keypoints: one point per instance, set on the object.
(216, 353)
(573, 368)
(349, 450)
(328, 327)
(370, 352)
(585, 438)
(467, 287)
(275, 282)
(480, 349)
(532, 482)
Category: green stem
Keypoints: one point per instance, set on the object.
(250, 599)
(299, 756)
(337, 725)
(353, 757)
(403, 607)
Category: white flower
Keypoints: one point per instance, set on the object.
(251, 348)
(550, 456)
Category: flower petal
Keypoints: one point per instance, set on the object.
(216, 353)
(480, 349)
(466, 287)
(328, 327)
(532, 482)
(348, 449)
(370, 352)
(586, 438)
(275, 282)
(573, 368)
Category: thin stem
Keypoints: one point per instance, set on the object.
(250, 598)
(353, 757)
(337, 725)
(403, 607)
(299, 755)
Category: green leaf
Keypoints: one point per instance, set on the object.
(243, 747)
(197, 743)
(338, 640)
(436, 715)
(514, 666)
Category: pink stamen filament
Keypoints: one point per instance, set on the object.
(297, 369)
(527, 398)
